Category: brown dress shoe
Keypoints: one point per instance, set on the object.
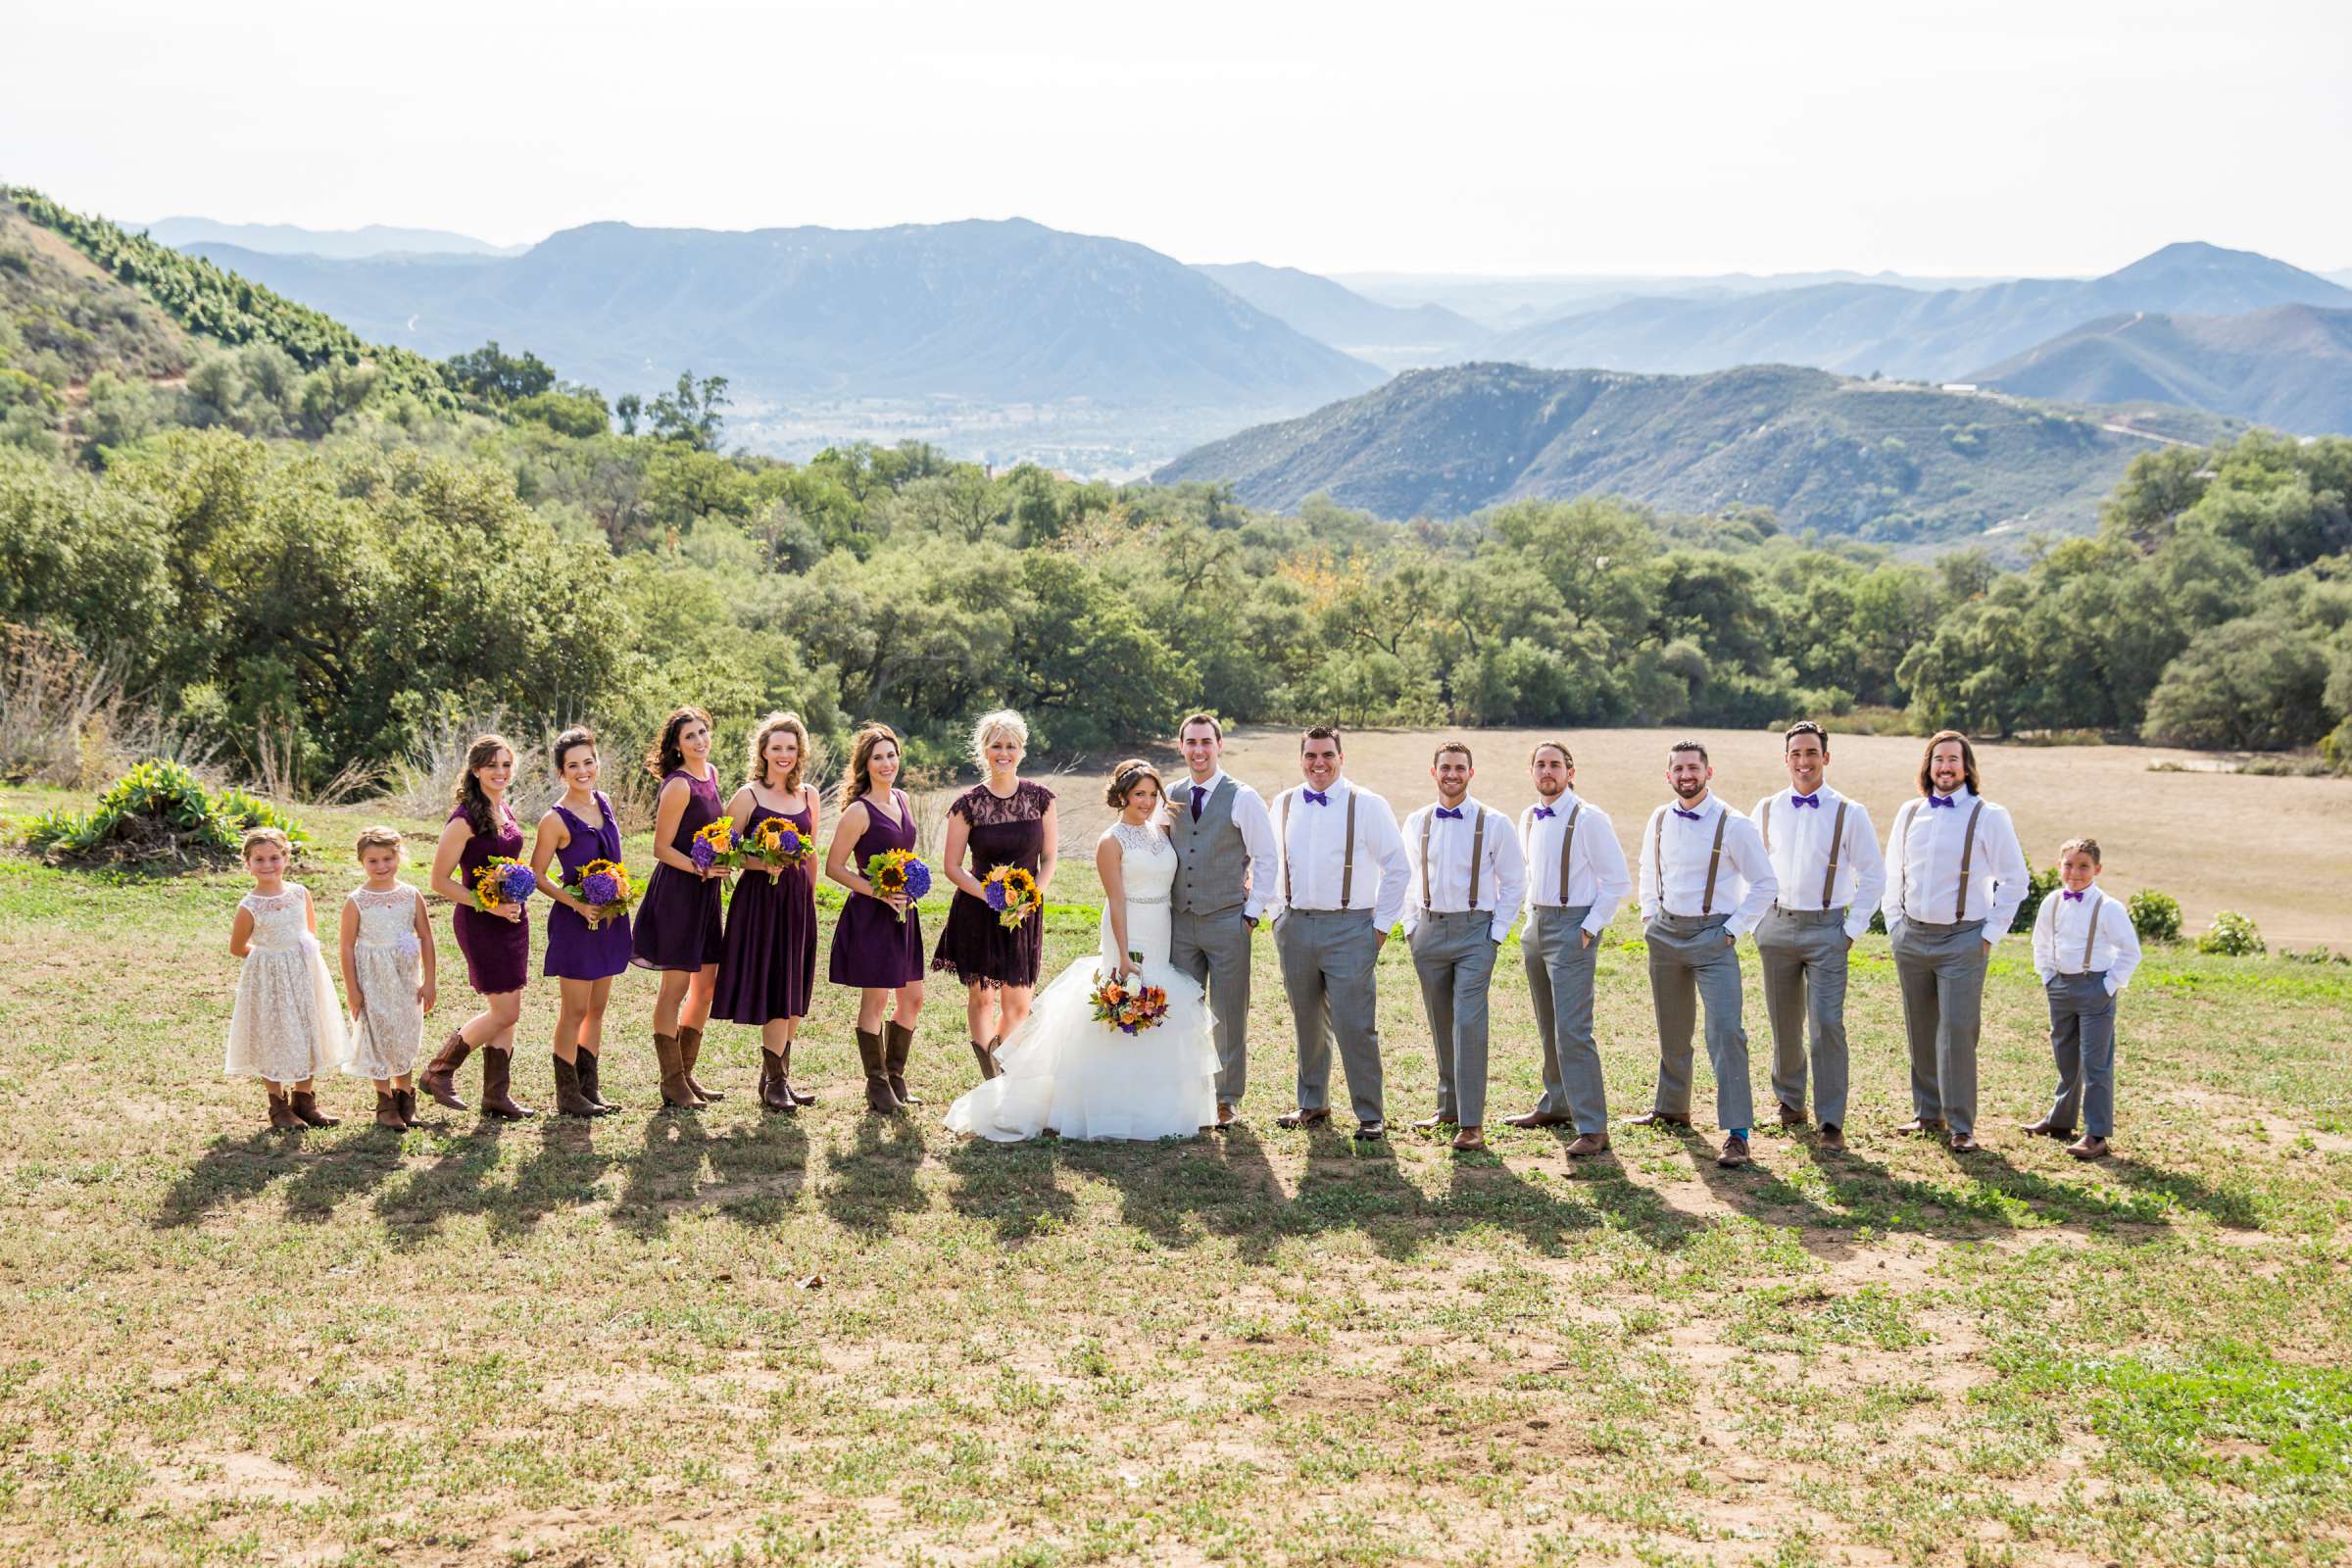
(2089, 1147)
(388, 1111)
(898, 1044)
(1919, 1125)
(1469, 1140)
(1656, 1119)
(1302, 1118)
(1537, 1118)
(307, 1112)
(1833, 1136)
(281, 1114)
(498, 1067)
(690, 1052)
(2044, 1128)
(1790, 1117)
(1584, 1146)
(1370, 1132)
(439, 1078)
(1430, 1124)
(1226, 1115)
(1734, 1153)
(1965, 1144)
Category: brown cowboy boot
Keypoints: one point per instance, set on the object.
(587, 1065)
(569, 1101)
(774, 1092)
(987, 1059)
(404, 1102)
(497, 1066)
(388, 1111)
(307, 1112)
(281, 1114)
(878, 1096)
(900, 1041)
(798, 1096)
(690, 1052)
(675, 1096)
(439, 1076)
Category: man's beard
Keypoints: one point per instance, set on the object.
(1691, 791)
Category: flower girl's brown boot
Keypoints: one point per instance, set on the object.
(281, 1114)
(388, 1111)
(307, 1112)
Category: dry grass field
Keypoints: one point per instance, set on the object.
(730, 1337)
(2277, 849)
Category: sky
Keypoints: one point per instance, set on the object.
(1926, 137)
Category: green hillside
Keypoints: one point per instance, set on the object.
(2289, 367)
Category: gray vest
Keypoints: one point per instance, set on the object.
(1212, 861)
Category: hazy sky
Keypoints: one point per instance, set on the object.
(1946, 136)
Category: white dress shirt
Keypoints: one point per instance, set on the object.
(1258, 832)
(1923, 864)
(1743, 880)
(1443, 884)
(1315, 852)
(1596, 869)
(2062, 926)
(1797, 838)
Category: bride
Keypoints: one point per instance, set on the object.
(1065, 1073)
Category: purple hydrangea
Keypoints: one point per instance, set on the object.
(918, 881)
(516, 883)
(702, 854)
(996, 897)
(600, 887)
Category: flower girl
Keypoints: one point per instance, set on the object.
(388, 962)
(286, 1028)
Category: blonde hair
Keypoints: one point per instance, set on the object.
(1003, 721)
(265, 835)
(378, 837)
(2089, 846)
(756, 765)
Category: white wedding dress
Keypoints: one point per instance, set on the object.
(1066, 1073)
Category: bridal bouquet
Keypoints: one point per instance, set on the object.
(1013, 895)
(502, 880)
(896, 871)
(1130, 1009)
(779, 845)
(713, 845)
(604, 886)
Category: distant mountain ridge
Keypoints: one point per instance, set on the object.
(1842, 455)
(2289, 367)
(291, 239)
(1393, 336)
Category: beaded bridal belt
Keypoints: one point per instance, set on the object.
(1148, 898)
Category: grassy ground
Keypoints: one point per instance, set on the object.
(837, 1340)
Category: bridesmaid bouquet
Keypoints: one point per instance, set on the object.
(896, 871)
(1129, 1009)
(604, 886)
(713, 845)
(1012, 892)
(780, 844)
(502, 881)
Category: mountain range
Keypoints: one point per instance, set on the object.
(1884, 459)
(1393, 337)
(2289, 366)
(348, 244)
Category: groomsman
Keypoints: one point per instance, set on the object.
(1955, 877)
(1705, 881)
(1825, 857)
(1340, 886)
(1576, 880)
(1468, 877)
(1224, 879)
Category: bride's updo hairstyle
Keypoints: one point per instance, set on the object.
(1125, 777)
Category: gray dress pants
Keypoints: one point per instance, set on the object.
(2082, 1039)
(1453, 954)
(1214, 949)
(1690, 961)
(1803, 956)
(1941, 971)
(1559, 982)
(1328, 957)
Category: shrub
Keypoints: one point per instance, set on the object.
(159, 813)
(2040, 884)
(2232, 935)
(2320, 955)
(2155, 915)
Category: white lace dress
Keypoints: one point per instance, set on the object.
(1068, 1074)
(388, 960)
(287, 1025)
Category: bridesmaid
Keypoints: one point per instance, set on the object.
(496, 942)
(1004, 821)
(877, 943)
(767, 969)
(678, 928)
(579, 828)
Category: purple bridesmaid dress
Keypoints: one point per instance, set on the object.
(677, 924)
(498, 953)
(575, 951)
(872, 944)
(769, 963)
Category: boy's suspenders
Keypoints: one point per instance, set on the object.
(2092, 936)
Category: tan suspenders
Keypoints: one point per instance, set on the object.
(1829, 883)
(1347, 866)
(1657, 849)
(1477, 845)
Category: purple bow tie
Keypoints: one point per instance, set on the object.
(1315, 796)
(1940, 801)
(1542, 811)
(1813, 801)
(1451, 814)
(1693, 815)
(2071, 896)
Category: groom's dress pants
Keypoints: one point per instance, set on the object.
(1453, 954)
(1214, 949)
(1690, 961)
(1328, 957)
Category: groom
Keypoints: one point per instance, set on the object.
(1340, 886)
(1224, 845)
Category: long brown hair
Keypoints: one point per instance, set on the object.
(471, 798)
(756, 769)
(1968, 762)
(666, 759)
(857, 781)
